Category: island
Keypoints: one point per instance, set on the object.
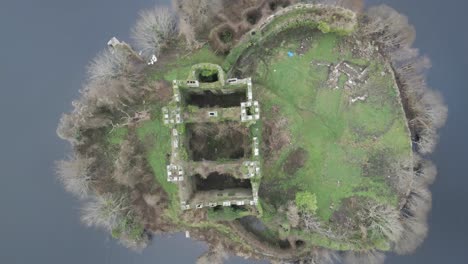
(293, 131)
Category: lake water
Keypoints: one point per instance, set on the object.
(45, 47)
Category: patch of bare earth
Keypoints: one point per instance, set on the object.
(343, 217)
(295, 161)
(275, 134)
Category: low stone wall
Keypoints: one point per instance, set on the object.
(335, 19)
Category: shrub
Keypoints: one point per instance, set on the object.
(324, 27)
(226, 36)
(208, 75)
(306, 202)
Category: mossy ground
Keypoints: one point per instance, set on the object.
(340, 138)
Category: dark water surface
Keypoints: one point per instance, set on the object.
(45, 45)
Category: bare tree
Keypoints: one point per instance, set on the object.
(102, 92)
(114, 94)
(414, 212)
(404, 54)
(427, 111)
(135, 244)
(414, 222)
(74, 174)
(401, 175)
(414, 67)
(380, 219)
(431, 110)
(430, 114)
(419, 202)
(83, 117)
(426, 140)
(67, 129)
(293, 214)
(196, 17)
(108, 65)
(426, 171)
(105, 211)
(393, 32)
(129, 120)
(414, 234)
(129, 166)
(313, 224)
(389, 28)
(115, 213)
(154, 29)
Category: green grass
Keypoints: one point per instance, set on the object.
(156, 138)
(339, 136)
(154, 134)
(180, 69)
(112, 141)
(117, 135)
(342, 80)
(226, 214)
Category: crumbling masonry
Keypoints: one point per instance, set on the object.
(218, 182)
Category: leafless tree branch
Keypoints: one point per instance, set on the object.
(104, 211)
(154, 29)
(74, 174)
